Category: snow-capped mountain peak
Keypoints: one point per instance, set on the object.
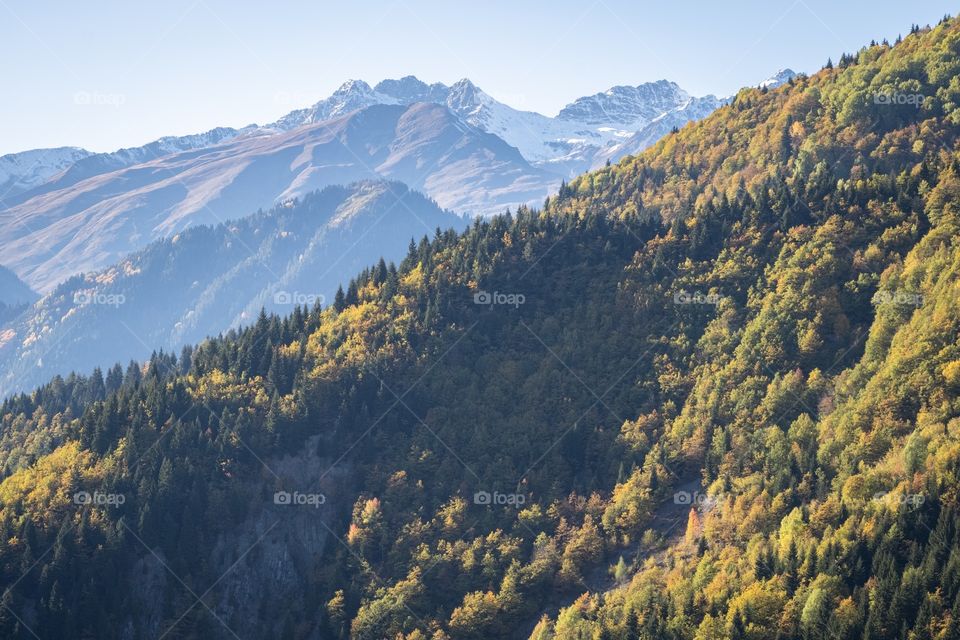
(22, 171)
(780, 77)
(465, 98)
(351, 87)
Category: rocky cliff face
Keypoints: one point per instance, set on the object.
(268, 563)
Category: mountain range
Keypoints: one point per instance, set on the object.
(600, 119)
(579, 130)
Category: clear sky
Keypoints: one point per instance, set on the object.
(107, 74)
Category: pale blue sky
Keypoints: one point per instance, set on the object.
(144, 70)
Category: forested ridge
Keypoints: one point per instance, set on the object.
(764, 304)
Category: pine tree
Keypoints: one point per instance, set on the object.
(620, 571)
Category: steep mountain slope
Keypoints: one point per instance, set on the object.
(94, 222)
(764, 303)
(205, 280)
(822, 405)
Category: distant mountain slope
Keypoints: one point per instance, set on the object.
(92, 223)
(209, 279)
(84, 164)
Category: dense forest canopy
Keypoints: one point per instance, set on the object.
(711, 391)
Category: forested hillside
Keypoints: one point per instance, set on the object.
(753, 325)
(206, 280)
